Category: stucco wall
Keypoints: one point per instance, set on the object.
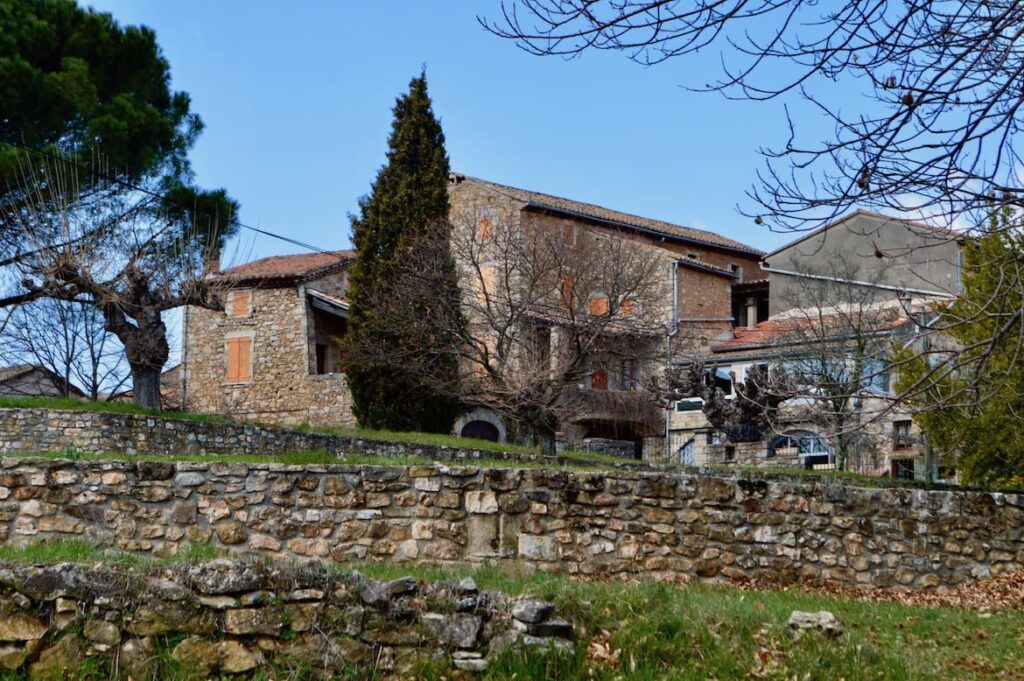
(686, 524)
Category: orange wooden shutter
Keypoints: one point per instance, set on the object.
(239, 356)
(240, 301)
(568, 286)
(599, 306)
(244, 359)
(485, 228)
(569, 233)
(629, 307)
(487, 277)
(599, 380)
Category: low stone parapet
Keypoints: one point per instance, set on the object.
(681, 524)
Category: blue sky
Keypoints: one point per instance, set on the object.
(297, 101)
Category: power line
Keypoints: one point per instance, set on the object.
(164, 197)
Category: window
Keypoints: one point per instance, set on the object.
(629, 307)
(485, 227)
(599, 379)
(693, 256)
(901, 434)
(239, 351)
(569, 233)
(568, 289)
(690, 404)
(735, 269)
(239, 303)
(599, 305)
(723, 379)
(903, 469)
(629, 374)
(875, 374)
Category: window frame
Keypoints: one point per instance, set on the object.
(229, 308)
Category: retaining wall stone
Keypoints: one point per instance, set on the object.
(679, 524)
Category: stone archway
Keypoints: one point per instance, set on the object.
(482, 424)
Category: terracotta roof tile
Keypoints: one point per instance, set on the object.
(303, 266)
(559, 204)
(787, 331)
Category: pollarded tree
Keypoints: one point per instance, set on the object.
(129, 255)
(409, 196)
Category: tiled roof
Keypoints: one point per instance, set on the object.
(695, 264)
(799, 330)
(328, 298)
(558, 204)
(303, 266)
(8, 373)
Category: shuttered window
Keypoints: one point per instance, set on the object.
(485, 228)
(599, 305)
(239, 303)
(239, 351)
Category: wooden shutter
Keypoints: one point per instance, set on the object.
(488, 275)
(485, 228)
(599, 380)
(239, 359)
(629, 307)
(599, 306)
(568, 289)
(239, 303)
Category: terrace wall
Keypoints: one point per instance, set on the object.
(684, 524)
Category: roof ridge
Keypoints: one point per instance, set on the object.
(713, 239)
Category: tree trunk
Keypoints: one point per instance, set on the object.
(146, 386)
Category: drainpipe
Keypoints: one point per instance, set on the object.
(674, 278)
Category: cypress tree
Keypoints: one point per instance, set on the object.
(409, 193)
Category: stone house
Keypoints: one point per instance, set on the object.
(701, 269)
(34, 380)
(274, 354)
(865, 277)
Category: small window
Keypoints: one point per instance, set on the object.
(568, 289)
(736, 270)
(903, 469)
(599, 379)
(901, 434)
(730, 452)
(569, 233)
(629, 307)
(239, 303)
(693, 256)
(599, 305)
(690, 404)
(239, 359)
(485, 227)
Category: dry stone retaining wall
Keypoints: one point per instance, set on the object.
(232, 617)
(680, 524)
(53, 431)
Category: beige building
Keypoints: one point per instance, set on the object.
(865, 277)
(274, 354)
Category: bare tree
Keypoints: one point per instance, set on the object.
(934, 131)
(70, 340)
(131, 255)
(546, 321)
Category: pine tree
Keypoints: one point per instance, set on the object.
(409, 193)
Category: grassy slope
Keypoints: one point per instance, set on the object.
(647, 630)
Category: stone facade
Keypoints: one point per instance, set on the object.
(285, 386)
(702, 524)
(230, 617)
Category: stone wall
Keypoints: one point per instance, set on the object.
(712, 526)
(284, 386)
(52, 431)
(240, 617)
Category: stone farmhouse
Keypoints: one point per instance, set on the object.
(274, 356)
(864, 275)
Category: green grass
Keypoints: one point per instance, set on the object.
(700, 631)
(71, 404)
(654, 630)
(82, 551)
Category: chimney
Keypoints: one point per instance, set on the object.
(211, 259)
(455, 178)
(751, 313)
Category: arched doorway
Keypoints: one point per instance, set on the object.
(480, 430)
